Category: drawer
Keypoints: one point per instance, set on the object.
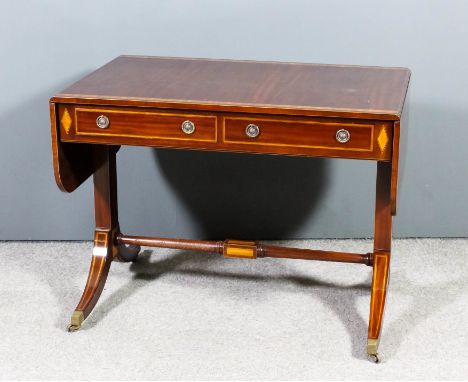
(120, 126)
(255, 133)
(360, 138)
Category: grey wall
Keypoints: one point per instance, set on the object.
(46, 45)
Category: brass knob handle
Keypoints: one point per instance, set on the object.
(188, 127)
(343, 135)
(252, 131)
(102, 122)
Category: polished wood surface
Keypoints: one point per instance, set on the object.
(310, 137)
(73, 164)
(400, 139)
(105, 206)
(163, 242)
(105, 247)
(297, 109)
(140, 125)
(245, 249)
(292, 135)
(244, 86)
(381, 254)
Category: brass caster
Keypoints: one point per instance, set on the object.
(72, 328)
(372, 346)
(76, 319)
(375, 358)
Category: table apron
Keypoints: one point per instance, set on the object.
(270, 134)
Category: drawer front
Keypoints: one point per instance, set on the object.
(360, 139)
(254, 133)
(107, 125)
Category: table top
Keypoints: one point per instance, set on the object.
(247, 86)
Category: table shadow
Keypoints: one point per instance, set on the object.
(145, 270)
(427, 300)
(244, 196)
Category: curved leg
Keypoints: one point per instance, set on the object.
(380, 258)
(99, 269)
(107, 226)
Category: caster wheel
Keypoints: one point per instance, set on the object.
(374, 358)
(128, 253)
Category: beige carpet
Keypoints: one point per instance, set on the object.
(180, 315)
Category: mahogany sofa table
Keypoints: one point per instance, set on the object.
(333, 111)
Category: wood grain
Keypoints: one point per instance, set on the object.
(311, 136)
(106, 217)
(253, 249)
(244, 86)
(151, 125)
(382, 249)
(286, 135)
(72, 164)
(298, 108)
(400, 138)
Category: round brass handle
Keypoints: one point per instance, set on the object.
(252, 131)
(102, 122)
(343, 135)
(188, 127)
